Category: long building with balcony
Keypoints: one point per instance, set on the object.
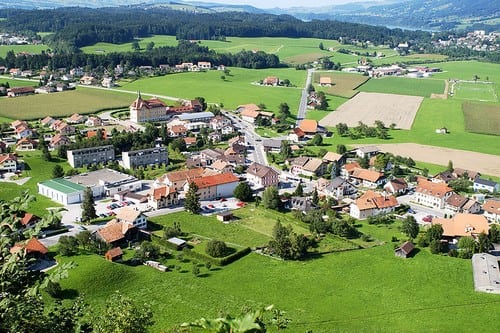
(93, 155)
(143, 157)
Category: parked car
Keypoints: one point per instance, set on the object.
(411, 211)
(427, 218)
(211, 206)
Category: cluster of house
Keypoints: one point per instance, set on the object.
(477, 40)
(252, 112)
(142, 110)
(199, 66)
(393, 70)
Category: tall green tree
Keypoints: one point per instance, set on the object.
(299, 190)
(271, 199)
(243, 192)
(57, 171)
(285, 150)
(410, 227)
(192, 201)
(315, 197)
(88, 206)
(317, 140)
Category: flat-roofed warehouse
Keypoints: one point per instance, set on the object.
(107, 182)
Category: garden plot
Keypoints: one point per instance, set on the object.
(369, 107)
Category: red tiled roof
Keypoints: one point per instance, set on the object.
(161, 192)
(176, 176)
(438, 190)
(8, 157)
(28, 217)
(32, 246)
(492, 206)
(463, 225)
(309, 126)
(365, 174)
(214, 180)
(139, 103)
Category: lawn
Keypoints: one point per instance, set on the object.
(18, 83)
(353, 291)
(343, 84)
(34, 49)
(83, 101)
(482, 118)
(103, 48)
(404, 86)
(238, 87)
(333, 103)
(470, 91)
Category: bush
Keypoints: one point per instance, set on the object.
(53, 289)
(216, 248)
(366, 238)
(437, 246)
(394, 239)
(422, 241)
(453, 253)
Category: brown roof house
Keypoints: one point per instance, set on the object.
(116, 233)
(462, 225)
(163, 197)
(396, 186)
(132, 216)
(308, 166)
(368, 178)
(178, 179)
(249, 112)
(113, 255)
(271, 81)
(325, 81)
(262, 175)
(461, 204)
(33, 248)
(404, 250)
(491, 210)
(309, 126)
(432, 194)
(371, 204)
(215, 186)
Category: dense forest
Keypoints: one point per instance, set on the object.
(185, 51)
(77, 27)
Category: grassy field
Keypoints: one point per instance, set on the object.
(332, 293)
(482, 118)
(83, 101)
(343, 84)
(333, 103)
(17, 83)
(484, 92)
(434, 113)
(404, 86)
(237, 89)
(35, 49)
(103, 48)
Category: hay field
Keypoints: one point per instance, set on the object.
(369, 107)
(482, 118)
(343, 84)
(484, 163)
(480, 91)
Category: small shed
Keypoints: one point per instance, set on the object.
(180, 243)
(404, 249)
(115, 254)
(225, 216)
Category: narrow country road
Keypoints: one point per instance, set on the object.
(303, 100)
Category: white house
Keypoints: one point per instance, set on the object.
(481, 184)
(133, 217)
(432, 194)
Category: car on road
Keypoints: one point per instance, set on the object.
(81, 227)
(411, 211)
(211, 206)
(427, 218)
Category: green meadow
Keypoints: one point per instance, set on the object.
(82, 100)
(367, 290)
(404, 86)
(158, 40)
(237, 88)
(482, 117)
(35, 49)
(479, 91)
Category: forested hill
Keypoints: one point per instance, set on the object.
(422, 14)
(77, 27)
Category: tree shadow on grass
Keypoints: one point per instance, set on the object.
(69, 294)
(414, 253)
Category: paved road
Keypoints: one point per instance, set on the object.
(303, 100)
(420, 211)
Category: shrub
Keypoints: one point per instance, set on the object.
(453, 253)
(366, 238)
(422, 241)
(216, 248)
(53, 289)
(394, 239)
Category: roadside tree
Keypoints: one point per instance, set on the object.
(192, 201)
(243, 192)
(410, 227)
(88, 206)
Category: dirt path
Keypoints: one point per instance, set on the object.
(483, 163)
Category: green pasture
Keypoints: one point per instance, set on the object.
(475, 91)
(103, 48)
(333, 103)
(343, 84)
(353, 291)
(433, 113)
(35, 49)
(237, 88)
(466, 70)
(18, 83)
(482, 117)
(82, 100)
(404, 86)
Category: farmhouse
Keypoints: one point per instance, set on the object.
(116, 233)
(368, 178)
(308, 166)
(296, 135)
(309, 126)
(462, 225)
(20, 91)
(271, 81)
(249, 112)
(371, 204)
(8, 163)
(132, 216)
(215, 186)
(262, 175)
(62, 191)
(87, 156)
(144, 157)
(325, 81)
(432, 194)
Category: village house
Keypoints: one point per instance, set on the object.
(296, 135)
(462, 225)
(347, 169)
(132, 216)
(331, 157)
(469, 174)
(64, 128)
(219, 122)
(189, 141)
(75, 118)
(368, 151)
(262, 176)
(444, 177)
(221, 166)
(88, 80)
(491, 210)
(23, 132)
(368, 178)
(176, 131)
(271, 145)
(308, 166)
(372, 204)
(249, 112)
(20, 91)
(309, 127)
(302, 204)
(26, 144)
(108, 82)
(29, 220)
(457, 203)
(178, 179)
(204, 65)
(45, 90)
(116, 233)
(32, 248)
(481, 184)
(339, 188)
(210, 155)
(163, 197)
(47, 121)
(432, 194)
(215, 186)
(8, 163)
(215, 137)
(93, 121)
(325, 81)
(396, 186)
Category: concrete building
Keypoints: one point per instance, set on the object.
(143, 157)
(432, 194)
(107, 182)
(215, 186)
(86, 156)
(262, 175)
(62, 191)
(371, 204)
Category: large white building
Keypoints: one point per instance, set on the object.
(93, 155)
(144, 157)
(107, 182)
(62, 191)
